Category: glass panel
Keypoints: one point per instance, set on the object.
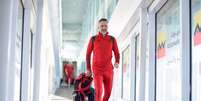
(196, 47)
(137, 67)
(18, 51)
(126, 73)
(168, 66)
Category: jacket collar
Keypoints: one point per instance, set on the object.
(100, 34)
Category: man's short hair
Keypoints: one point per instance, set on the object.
(103, 19)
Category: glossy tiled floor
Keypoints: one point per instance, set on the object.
(62, 94)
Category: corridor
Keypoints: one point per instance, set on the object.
(103, 50)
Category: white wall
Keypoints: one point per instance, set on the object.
(121, 15)
(47, 51)
(47, 56)
(123, 25)
(7, 47)
(43, 53)
(5, 7)
(55, 20)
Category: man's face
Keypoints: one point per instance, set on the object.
(103, 26)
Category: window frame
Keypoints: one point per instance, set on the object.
(186, 52)
(22, 45)
(137, 45)
(191, 48)
(134, 33)
(127, 46)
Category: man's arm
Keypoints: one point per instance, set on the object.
(88, 55)
(116, 51)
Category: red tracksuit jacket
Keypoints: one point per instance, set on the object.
(69, 69)
(102, 48)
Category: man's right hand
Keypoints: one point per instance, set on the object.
(89, 73)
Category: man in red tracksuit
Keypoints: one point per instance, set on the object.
(102, 46)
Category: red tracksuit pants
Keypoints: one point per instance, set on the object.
(69, 78)
(103, 80)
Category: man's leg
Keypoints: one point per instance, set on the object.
(98, 81)
(68, 81)
(107, 81)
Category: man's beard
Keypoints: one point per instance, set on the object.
(104, 32)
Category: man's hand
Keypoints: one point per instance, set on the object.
(116, 65)
(89, 73)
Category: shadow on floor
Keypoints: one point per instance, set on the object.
(63, 94)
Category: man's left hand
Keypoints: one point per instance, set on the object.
(116, 65)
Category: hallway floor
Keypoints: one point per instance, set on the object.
(62, 94)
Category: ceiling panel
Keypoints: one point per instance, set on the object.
(73, 12)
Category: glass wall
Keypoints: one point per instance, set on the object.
(19, 47)
(196, 47)
(168, 52)
(126, 73)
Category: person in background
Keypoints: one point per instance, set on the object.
(69, 70)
